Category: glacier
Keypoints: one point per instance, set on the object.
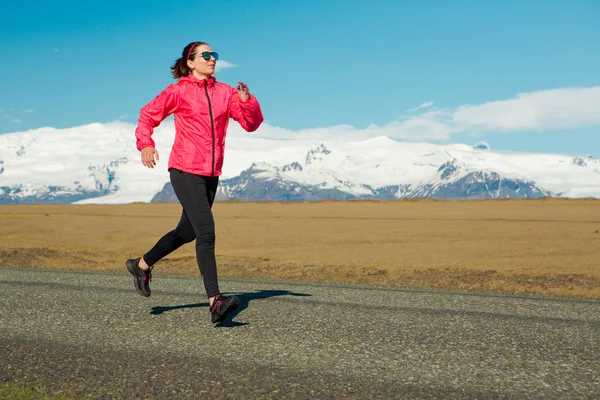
(99, 163)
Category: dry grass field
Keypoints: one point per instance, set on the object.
(545, 246)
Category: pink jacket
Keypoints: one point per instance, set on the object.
(202, 109)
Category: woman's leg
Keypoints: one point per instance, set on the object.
(220, 306)
(196, 195)
(182, 234)
(140, 268)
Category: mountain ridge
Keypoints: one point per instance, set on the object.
(98, 163)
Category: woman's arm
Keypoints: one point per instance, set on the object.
(153, 113)
(245, 109)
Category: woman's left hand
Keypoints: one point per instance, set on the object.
(243, 91)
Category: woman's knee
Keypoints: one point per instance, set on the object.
(186, 235)
(206, 238)
(205, 234)
(188, 238)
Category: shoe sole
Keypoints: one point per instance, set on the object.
(131, 270)
(228, 310)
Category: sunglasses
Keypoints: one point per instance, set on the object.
(207, 54)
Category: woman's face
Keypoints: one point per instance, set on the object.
(200, 65)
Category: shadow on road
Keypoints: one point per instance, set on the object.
(245, 299)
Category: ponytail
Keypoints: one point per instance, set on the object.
(180, 69)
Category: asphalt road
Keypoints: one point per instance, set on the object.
(91, 334)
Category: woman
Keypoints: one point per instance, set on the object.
(202, 108)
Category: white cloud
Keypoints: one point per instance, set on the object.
(16, 121)
(222, 64)
(28, 111)
(542, 110)
(566, 108)
(55, 50)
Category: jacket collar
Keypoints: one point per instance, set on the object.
(200, 82)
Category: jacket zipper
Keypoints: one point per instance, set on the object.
(212, 126)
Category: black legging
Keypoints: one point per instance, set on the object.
(196, 194)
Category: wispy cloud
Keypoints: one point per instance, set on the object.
(222, 64)
(420, 106)
(55, 50)
(121, 117)
(13, 115)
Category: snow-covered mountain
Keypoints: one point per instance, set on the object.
(98, 163)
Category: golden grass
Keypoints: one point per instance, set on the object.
(545, 246)
(13, 391)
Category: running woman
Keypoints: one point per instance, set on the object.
(202, 108)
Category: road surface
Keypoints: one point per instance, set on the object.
(91, 334)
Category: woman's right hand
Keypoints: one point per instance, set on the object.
(148, 156)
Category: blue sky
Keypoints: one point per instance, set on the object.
(521, 75)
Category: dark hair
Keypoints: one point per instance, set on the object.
(180, 68)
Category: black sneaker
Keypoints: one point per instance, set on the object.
(222, 305)
(141, 278)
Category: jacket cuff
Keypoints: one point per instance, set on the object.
(142, 145)
(251, 103)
